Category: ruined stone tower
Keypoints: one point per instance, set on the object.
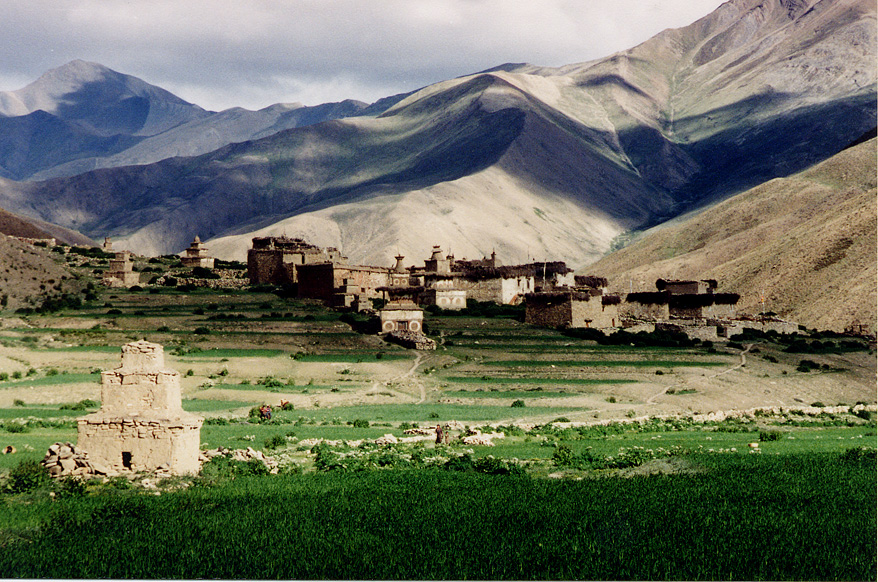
(141, 425)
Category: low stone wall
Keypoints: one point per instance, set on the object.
(412, 340)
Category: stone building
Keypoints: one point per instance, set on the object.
(196, 256)
(585, 305)
(401, 312)
(274, 260)
(572, 309)
(141, 425)
(681, 299)
(121, 272)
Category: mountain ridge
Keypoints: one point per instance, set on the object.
(756, 90)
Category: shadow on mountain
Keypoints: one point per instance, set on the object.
(40, 140)
(752, 151)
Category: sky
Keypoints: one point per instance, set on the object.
(254, 53)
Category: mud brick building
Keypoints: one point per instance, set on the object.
(273, 260)
(681, 299)
(141, 425)
(586, 305)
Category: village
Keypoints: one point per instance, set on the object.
(398, 295)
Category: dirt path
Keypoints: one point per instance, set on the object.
(410, 373)
(652, 399)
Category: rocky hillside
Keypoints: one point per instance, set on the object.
(528, 161)
(806, 244)
(29, 274)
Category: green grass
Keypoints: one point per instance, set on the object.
(199, 405)
(53, 380)
(601, 363)
(510, 394)
(355, 357)
(789, 517)
(40, 412)
(531, 380)
(424, 412)
(226, 353)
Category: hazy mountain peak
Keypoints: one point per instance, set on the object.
(100, 100)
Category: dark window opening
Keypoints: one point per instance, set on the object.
(126, 459)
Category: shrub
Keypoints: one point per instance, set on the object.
(287, 406)
(769, 435)
(856, 454)
(16, 428)
(18, 402)
(52, 372)
(201, 331)
(518, 404)
(360, 423)
(864, 414)
(4, 376)
(26, 476)
(275, 441)
(463, 462)
(563, 456)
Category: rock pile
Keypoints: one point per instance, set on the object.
(484, 439)
(65, 460)
(412, 340)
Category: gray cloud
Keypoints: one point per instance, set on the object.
(222, 53)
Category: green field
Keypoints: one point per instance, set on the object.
(808, 516)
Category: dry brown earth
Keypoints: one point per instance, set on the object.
(806, 243)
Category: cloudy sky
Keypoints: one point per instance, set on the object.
(252, 53)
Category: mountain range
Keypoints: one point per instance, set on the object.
(803, 246)
(533, 162)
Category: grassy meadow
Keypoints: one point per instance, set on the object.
(606, 466)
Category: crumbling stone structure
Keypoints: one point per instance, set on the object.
(196, 256)
(273, 260)
(141, 425)
(121, 272)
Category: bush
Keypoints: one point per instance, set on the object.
(18, 402)
(201, 331)
(769, 435)
(360, 423)
(26, 476)
(563, 456)
(856, 454)
(16, 428)
(864, 414)
(275, 441)
(518, 404)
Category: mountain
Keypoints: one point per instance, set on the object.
(533, 162)
(18, 226)
(805, 243)
(84, 116)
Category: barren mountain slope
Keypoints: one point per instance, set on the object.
(758, 89)
(807, 243)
